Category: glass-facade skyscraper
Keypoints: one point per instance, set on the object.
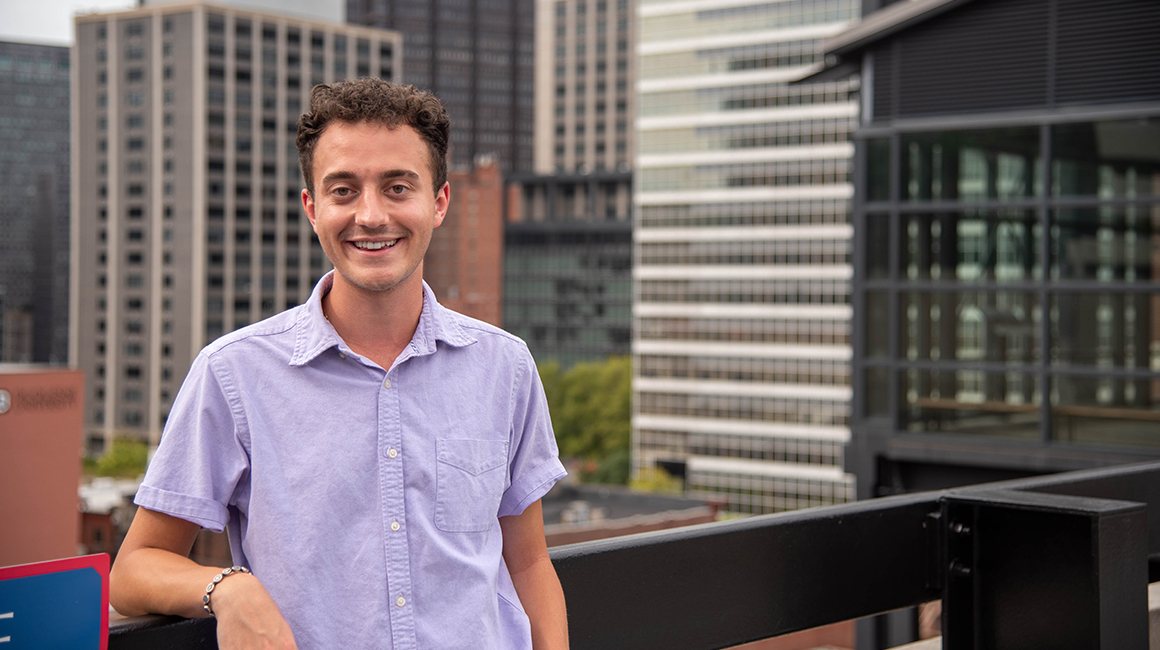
(742, 251)
(34, 236)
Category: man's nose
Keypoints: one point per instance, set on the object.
(372, 211)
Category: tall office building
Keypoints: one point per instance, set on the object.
(476, 56)
(186, 214)
(34, 160)
(742, 251)
(568, 254)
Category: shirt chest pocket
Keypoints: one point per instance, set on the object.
(469, 483)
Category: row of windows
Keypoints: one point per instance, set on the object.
(679, 444)
(804, 292)
(817, 372)
(268, 259)
(1113, 159)
(761, 409)
(793, 251)
(598, 149)
(243, 52)
(1111, 244)
(752, 96)
(748, 18)
(765, 330)
(581, 49)
(779, 173)
(30, 64)
(581, 7)
(748, 136)
(730, 59)
(568, 284)
(788, 213)
(242, 215)
(1104, 329)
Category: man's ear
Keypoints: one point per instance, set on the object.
(308, 206)
(442, 201)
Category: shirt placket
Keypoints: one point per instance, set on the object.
(395, 545)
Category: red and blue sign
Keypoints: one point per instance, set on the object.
(59, 604)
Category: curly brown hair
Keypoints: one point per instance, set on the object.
(380, 102)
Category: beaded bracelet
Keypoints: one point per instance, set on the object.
(216, 579)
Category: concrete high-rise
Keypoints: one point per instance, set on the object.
(34, 240)
(476, 56)
(742, 251)
(186, 213)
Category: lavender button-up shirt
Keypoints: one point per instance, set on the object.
(365, 500)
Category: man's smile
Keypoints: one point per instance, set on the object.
(374, 245)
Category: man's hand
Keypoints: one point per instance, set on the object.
(248, 617)
(154, 575)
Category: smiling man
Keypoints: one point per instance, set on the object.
(377, 459)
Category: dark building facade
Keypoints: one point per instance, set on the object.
(568, 274)
(34, 210)
(476, 56)
(1007, 227)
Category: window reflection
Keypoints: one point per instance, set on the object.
(1106, 243)
(971, 402)
(1106, 410)
(971, 326)
(1106, 330)
(972, 246)
(1106, 159)
(971, 165)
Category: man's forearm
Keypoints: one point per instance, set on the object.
(156, 581)
(543, 600)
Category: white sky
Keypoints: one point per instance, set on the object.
(48, 22)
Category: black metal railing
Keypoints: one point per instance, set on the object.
(1059, 561)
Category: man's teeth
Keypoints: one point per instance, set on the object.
(374, 245)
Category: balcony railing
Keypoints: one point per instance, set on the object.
(1058, 561)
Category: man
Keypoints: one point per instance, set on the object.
(377, 459)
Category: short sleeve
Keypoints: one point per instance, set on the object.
(201, 461)
(534, 464)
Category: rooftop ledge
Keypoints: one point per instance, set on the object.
(1059, 561)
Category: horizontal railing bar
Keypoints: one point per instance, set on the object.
(722, 584)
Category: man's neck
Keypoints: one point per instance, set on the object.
(375, 324)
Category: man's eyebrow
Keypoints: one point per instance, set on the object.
(398, 173)
(337, 176)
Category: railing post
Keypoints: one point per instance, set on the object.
(1031, 570)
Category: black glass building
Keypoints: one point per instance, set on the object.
(1007, 227)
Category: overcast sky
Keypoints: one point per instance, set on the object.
(48, 22)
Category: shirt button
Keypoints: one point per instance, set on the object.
(387, 383)
(392, 452)
(395, 526)
(341, 355)
(400, 601)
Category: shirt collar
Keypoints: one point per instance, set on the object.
(315, 334)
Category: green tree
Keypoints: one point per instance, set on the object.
(127, 459)
(591, 406)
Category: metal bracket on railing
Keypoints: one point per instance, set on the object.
(1031, 570)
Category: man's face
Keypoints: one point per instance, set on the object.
(374, 205)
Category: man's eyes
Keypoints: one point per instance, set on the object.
(342, 191)
(397, 189)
